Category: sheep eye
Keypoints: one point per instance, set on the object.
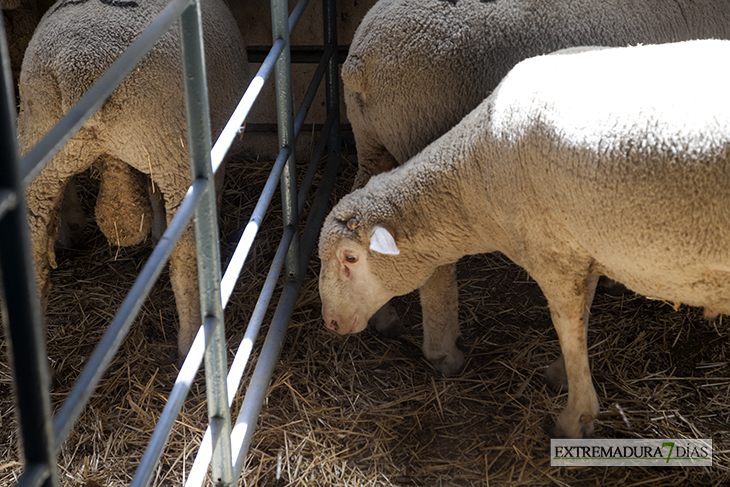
(350, 259)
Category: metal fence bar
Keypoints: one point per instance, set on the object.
(240, 361)
(37, 474)
(201, 200)
(72, 121)
(299, 55)
(249, 233)
(180, 390)
(24, 325)
(332, 96)
(8, 201)
(259, 384)
(258, 387)
(112, 339)
(206, 237)
(312, 91)
(192, 362)
(235, 122)
(317, 154)
(285, 118)
(252, 227)
(296, 14)
(202, 459)
(233, 127)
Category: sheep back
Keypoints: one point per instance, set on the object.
(415, 68)
(143, 121)
(623, 155)
(139, 130)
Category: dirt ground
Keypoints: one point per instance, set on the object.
(367, 410)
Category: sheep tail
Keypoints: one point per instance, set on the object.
(354, 74)
(123, 208)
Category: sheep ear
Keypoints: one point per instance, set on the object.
(382, 241)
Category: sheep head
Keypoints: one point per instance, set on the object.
(352, 285)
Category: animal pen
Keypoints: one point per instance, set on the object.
(225, 443)
(360, 411)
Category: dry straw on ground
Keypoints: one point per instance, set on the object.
(367, 410)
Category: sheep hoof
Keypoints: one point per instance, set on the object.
(568, 427)
(557, 377)
(449, 364)
(387, 322)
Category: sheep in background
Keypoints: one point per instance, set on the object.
(20, 18)
(582, 163)
(416, 67)
(138, 138)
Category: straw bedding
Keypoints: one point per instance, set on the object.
(370, 411)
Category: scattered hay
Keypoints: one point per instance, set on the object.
(369, 411)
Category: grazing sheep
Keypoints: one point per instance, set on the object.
(416, 67)
(582, 163)
(138, 138)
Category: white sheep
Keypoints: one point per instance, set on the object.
(582, 163)
(416, 67)
(138, 137)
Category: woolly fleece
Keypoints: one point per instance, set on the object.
(140, 130)
(582, 163)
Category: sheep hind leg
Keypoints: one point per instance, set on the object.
(159, 216)
(570, 313)
(439, 303)
(184, 281)
(44, 195)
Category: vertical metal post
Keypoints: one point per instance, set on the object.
(285, 111)
(22, 311)
(332, 95)
(206, 240)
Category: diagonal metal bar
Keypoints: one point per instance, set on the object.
(233, 127)
(249, 233)
(296, 14)
(252, 227)
(34, 475)
(193, 360)
(258, 387)
(243, 354)
(119, 327)
(312, 91)
(206, 237)
(21, 308)
(8, 201)
(180, 390)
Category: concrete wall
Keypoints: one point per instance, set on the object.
(254, 20)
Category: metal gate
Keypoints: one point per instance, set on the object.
(225, 443)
